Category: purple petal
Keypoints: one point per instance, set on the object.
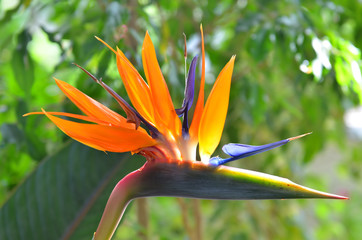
(189, 88)
(180, 111)
(185, 124)
(190, 85)
(189, 97)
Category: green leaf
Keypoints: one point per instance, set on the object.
(65, 196)
(22, 65)
(11, 133)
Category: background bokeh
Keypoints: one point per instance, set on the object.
(297, 70)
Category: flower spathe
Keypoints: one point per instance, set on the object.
(168, 143)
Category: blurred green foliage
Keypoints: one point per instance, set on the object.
(297, 70)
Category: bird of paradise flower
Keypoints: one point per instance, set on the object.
(170, 145)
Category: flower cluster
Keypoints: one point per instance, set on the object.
(153, 128)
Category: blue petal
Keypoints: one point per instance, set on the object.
(237, 151)
(216, 161)
(242, 150)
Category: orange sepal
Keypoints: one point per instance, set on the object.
(165, 111)
(89, 106)
(104, 138)
(137, 89)
(214, 114)
(84, 118)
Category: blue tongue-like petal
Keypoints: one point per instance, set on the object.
(242, 150)
(237, 151)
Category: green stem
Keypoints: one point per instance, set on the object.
(142, 216)
(119, 199)
(197, 216)
(184, 216)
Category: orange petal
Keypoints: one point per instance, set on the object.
(214, 115)
(82, 117)
(104, 138)
(194, 128)
(89, 106)
(165, 111)
(106, 44)
(77, 116)
(137, 90)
